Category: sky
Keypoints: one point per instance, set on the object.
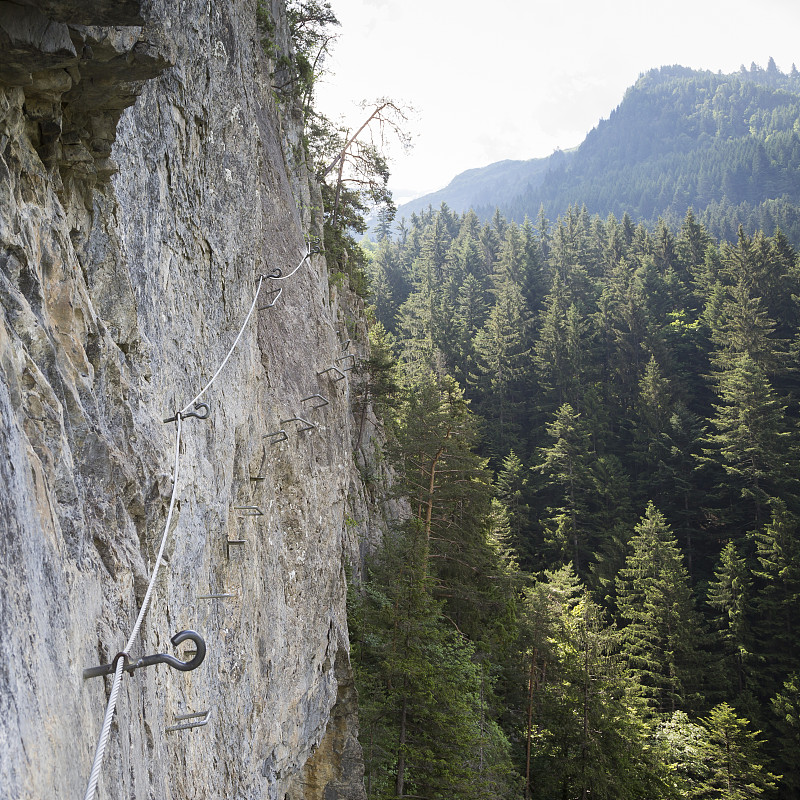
(517, 79)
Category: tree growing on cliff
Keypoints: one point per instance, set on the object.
(359, 163)
(310, 38)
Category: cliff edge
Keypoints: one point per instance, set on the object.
(147, 181)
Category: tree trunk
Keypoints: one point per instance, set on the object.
(338, 193)
(431, 488)
(530, 725)
(401, 755)
(585, 743)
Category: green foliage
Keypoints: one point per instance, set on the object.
(733, 755)
(428, 613)
(358, 183)
(586, 739)
(567, 463)
(295, 72)
(663, 632)
(730, 596)
(786, 708)
(594, 366)
(777, 599)
(423, 698)
(266, 27)
(751, 439)
(680, 746)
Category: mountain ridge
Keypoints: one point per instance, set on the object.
(487, 183)
(726, 145)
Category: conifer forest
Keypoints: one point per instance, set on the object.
(595, 590)
(592, 426)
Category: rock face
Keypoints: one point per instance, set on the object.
(147, 180)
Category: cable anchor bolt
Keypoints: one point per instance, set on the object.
(201, 411)
(158, 658)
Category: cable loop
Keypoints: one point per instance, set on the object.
(185, 414)
(126, 657)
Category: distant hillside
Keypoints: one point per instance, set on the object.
(488, 186)
(726, 145)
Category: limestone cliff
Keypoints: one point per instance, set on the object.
(147, 180)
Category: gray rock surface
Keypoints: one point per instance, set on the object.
(146, 181)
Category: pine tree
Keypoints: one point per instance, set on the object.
(652, 445)
(679, 745)
(435, 602)
(777, 600)
(733, 754)
(567, 462)
(425, 316)
(730, 596)
(623, 330)
(585, 740)
(422, 697)
(449, 489)
(610, 523)
(662, 633)
(692, 243)
(559, 349)
(533, 283)
(513, 491)
(786, 709)
(751, 439)
(377, 382)
(502, 351)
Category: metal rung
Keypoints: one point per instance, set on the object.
(341, 374)
(201, 717)
(282, 437)
(344, 358)
(323, 401)
(277, 292)
(306, 425)
(229, 542)
(249, 511)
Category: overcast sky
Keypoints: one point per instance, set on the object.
(516, 79)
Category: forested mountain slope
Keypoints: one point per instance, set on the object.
(727, 146)
(600, 442)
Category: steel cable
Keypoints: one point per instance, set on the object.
(115, 686)
(120, 659)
